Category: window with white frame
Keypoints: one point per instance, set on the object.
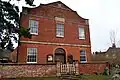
(83, 58)
(33, 25)
(31, 55)
(59, 30)
(81, 33)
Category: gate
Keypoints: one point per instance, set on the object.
(67, 68)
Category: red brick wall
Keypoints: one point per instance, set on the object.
(92, 68)
(47, 31)
(44, 50)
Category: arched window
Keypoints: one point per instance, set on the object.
(83, 58)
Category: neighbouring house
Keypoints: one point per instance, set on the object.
(112, 55)
(58, 34)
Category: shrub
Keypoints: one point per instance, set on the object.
(106, 71)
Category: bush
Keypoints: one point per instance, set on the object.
(106, 71)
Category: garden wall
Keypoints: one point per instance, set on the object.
(27, 70)
(92, 68)
(44, 70)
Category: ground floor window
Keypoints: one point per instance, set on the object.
(31, 55)
(83, 58)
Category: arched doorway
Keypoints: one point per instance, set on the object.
(60, 55)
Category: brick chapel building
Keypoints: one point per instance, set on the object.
(58, 34)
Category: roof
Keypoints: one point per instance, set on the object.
(113, 50)
(100, 52)
(109, 51)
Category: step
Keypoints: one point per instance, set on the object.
(69, 77)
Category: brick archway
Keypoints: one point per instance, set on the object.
(60, 55)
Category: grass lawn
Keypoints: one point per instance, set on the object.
(42, 78)
(94, 77)
(82, 77)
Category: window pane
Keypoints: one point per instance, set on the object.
(32, 55)
(83, 56)
(60, 30)
(82, 52)
(81, 33)
(33, 25)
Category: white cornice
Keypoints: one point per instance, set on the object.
(58, 44)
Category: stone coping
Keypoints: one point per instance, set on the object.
(26, 64)
(95, 63)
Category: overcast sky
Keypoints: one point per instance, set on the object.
(103, 15)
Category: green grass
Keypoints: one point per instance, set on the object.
(94, 77)
(81, 77)
(42, 78)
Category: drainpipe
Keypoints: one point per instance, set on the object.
(17, 53)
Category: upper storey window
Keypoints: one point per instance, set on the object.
(81, 33)
(33, 25)
(59, 26)
(59, 30)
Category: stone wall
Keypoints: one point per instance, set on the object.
(27, 70)
(44, 70)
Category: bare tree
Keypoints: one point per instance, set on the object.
(113, 35)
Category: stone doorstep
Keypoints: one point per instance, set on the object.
(68, 77)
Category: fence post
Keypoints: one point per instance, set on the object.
(77, 67)
(0, 71)
(68, 67)
(58, 68)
